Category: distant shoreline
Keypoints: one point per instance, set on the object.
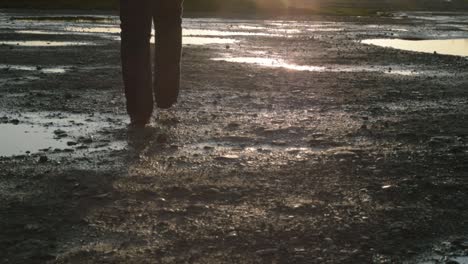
(248, 8)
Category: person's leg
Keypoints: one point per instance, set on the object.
(136, 19)
(168, 48)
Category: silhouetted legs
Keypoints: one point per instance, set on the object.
(168, 31)
(136, 19)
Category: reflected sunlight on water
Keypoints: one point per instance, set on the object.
(48, 131)
(41, 43)
(205, 41)
(186, 32)
(208, 32)
(279, 63)
(41, 32)
(33, 68)
(17, 139)
(115, 30)
(457, 47)
(272, 63)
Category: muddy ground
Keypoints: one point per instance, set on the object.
(254, 165)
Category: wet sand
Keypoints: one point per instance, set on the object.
(293, 142)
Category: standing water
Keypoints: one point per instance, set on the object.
(456, 47)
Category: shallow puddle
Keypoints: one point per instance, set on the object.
(46, 132)
(320, 29)
(217, 33)
(77, 32)
(400, 29)
(206, 41)
(190, 36)
(248, 27)
(66, 18)
(56, 70)
(109, 30)
(18, 139)
(185, 32)
(41, 43)
(456, 47)
(187, 40)
(272, 63)
(194, 33)
(279, 63)
(40, 32)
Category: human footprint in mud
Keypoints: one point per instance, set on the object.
(136, 18)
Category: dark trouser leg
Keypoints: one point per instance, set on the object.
(168, 27)
(135, 16)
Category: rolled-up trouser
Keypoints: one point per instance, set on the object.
(136, 19)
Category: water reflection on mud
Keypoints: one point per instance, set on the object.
(42, 43)
(190, 36)
(272, 63)
(206, 41)
(52, 132)
(17, 139)
(228, 151)
(279, 63)
(457, 47)
(84, 29)
(65, 18)
(41, 32)
(217, 33)
(56, 70)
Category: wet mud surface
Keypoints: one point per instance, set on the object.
(340, 152)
